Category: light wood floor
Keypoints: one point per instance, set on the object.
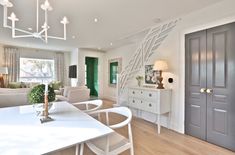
(148, 142)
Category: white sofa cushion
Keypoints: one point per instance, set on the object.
(11, 91)
(69, 88)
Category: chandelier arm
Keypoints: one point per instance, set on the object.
(46, 26)
(53, 37)
(65, 32)
(23, 36)
(20, 30)
(37, 25)
(13, 28)
(5, 16)
(42, 31)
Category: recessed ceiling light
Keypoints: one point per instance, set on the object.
(111, 44)
(95, 20)
(30, 29)
(73, 37)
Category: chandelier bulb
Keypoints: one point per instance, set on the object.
(6, 3)
(65, 20)
(47, 4)
(13, 17)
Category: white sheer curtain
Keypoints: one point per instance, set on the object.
(11, 61)
(60, 67)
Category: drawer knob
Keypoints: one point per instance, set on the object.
(150, 95)
(133, 101)
(141, 92)
(150, 105)
(141, 101)
(133, 92)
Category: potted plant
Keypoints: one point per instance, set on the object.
(139, 79)
(36, 96)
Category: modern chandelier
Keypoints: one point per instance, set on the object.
(41, 33)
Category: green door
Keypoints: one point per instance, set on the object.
(92, 75)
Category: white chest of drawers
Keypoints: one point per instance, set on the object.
(157, 101)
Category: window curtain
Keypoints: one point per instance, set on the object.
(11, 61)
(59, 67)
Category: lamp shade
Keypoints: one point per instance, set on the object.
(160, 65)
(3, 70)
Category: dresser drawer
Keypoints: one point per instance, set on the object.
(150, 96)
(149, 106)
(135, 93)
(133, 102)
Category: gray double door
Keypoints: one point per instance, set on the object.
(210, 85)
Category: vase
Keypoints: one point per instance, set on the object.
(39, 108)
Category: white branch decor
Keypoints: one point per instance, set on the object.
(150, 43)
(40, 34)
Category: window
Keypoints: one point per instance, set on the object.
(36, 70)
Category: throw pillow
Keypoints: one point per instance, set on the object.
(14, 85)
(56, 85)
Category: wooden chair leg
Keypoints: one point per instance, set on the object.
(132, 150)
(76, 151)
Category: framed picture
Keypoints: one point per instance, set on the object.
(115, 67)
(150, 75)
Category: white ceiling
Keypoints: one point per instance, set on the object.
(117, 19)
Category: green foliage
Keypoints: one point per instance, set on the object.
(36, 95)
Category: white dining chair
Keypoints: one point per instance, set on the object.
(89, 106)
(113, 143)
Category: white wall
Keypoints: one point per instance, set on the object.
(83, 53)
(173, 51)
(125, 53)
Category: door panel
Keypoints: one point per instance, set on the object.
(221, 79)
(195, 110)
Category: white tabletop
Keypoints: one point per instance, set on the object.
(21, 132)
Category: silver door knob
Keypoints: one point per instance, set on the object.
(209, 91)
(203, 90)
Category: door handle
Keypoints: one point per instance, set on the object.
(203, 90)
(209, 91)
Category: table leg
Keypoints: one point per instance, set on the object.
(158, 123)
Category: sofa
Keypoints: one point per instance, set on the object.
(13, 97)
(74, 94)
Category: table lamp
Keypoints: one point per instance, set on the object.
(160, 66)
(3, 70)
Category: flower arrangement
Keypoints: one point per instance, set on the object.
(139, 79)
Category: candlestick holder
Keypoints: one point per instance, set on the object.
(46, 117)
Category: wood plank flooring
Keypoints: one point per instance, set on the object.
(148, 142)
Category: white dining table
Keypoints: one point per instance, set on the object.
(22, 133)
